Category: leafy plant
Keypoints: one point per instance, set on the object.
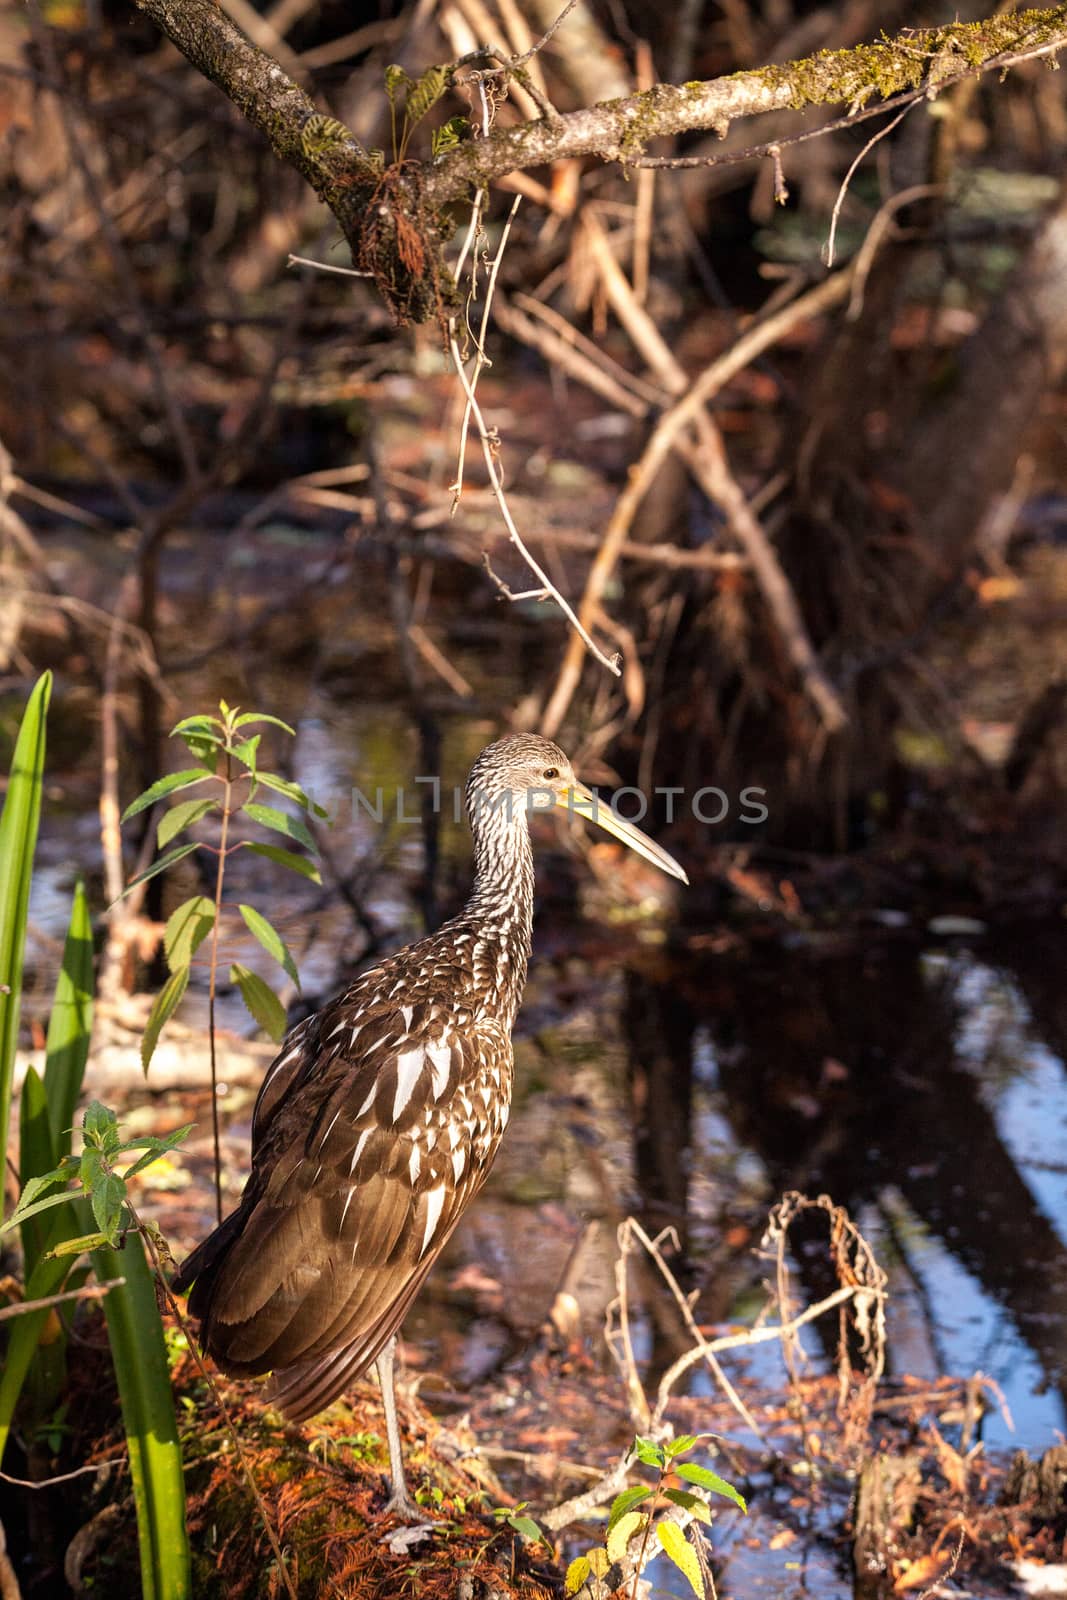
(511, 1517)
(420, 96)
(230, 780)
(55, 1220)
(627, 1523)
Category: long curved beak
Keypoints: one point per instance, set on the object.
(581, 802)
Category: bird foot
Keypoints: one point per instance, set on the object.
(401, 1506)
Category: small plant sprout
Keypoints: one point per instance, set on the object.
(97, 1176)
(512, 1517)
(228, 778)
(633, 1515)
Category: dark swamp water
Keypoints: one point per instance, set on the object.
(665, 1064)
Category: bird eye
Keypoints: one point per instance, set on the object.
(550, 773)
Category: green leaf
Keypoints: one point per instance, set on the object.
(424, 95)
(261, 1001)
(187, 928)
(598, 1561)
(70, 1025)
(23, 1211)
(164, 1007)
(100, 1125)
(139, 1353)
(245, 752)
(18, 841)
(623, 1531)
(74, 1247)
(292, 791)
(625, 1501)
(527, 1527)
(395, 80)
(261, 716)
(164, 786)
(448, 135)
(693, 1503)
(107, 1200)
(710, 1481)
(281, 821)
(684, 1442)
(648, 1451)
(180, 817)
(270, 939)
(198, 724)
(286, 858)
(157, 1149)
(681, 1552)
(159, 866)
(577, 1573)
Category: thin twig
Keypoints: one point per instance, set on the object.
(88, 1291)
(828, 254)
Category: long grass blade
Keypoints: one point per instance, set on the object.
(140, 1357)
(18, 840)
(69, 1028)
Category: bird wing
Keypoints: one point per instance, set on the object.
(373, 1130)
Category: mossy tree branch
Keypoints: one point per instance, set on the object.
(381, 216)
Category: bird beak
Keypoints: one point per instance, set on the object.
(581, 802)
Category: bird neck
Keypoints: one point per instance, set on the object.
(501, 902)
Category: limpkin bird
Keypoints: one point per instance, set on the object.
(378, 1122)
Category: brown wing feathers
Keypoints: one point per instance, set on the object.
(370, 1136)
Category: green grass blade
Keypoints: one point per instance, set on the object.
(136, 1334)
(18, 840)
(69, 1029)
(47, 1277)
(36, 1156)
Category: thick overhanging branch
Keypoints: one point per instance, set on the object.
(411, 200)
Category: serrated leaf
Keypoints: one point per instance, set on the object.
(527, 1527)
(198, 724)
(623, 1531)
(74, 1247)
(261, 716)
(178, 817)
(261, 1001)
(292, 791)
(177, 854)
(598, 1561)
(448, 135)
(107, 1198)
(693, 1503)
(157, 1149)
(281, 822)
(648, 1451)
(424, 95)
(29, 1205)
(286, 858)
(677, 1546)
(187, 928)
(164, 786)
(625, 1501)
(270, 939)
(684, 1442)
(166, 1003)
(711, 1481)
(577, 1573)
(101, 1125)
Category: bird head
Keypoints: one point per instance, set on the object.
(523, 772)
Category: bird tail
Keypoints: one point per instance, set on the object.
(202, 1267)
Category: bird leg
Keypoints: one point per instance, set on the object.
(400, 1502)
